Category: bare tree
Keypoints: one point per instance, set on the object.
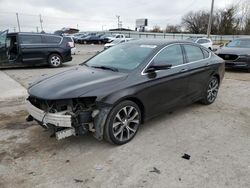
(173, 29)
(227, 21)
(196, 22)
(156, 29)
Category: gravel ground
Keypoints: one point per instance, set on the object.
(217, 138)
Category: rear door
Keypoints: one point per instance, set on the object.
(198, 61)
(32, 49)
(3, 48)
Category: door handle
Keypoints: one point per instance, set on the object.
(184, 70)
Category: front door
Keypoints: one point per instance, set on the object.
(168, 89)
(3, 48)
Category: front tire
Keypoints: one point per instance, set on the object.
(55, 60)
(122, 123)
(211, 91)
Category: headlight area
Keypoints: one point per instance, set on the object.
(65, 117)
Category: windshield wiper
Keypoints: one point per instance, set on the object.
(106, 68)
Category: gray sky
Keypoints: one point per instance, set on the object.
(95, 14)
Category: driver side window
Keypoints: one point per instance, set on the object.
(170, 55)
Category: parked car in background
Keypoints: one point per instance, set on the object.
(91, 39)
(116, 91)
(106, 38)
(71, 44)
(236, 53)
(116, 36)
(116, 41)
(79, 37)
(32, 49)
(206, 42)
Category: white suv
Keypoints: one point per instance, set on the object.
(206, 42)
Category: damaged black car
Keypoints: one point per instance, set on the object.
(114, 92)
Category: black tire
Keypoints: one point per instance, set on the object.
(120, 127)
(211, 91)
(55, 60)
(84, 42)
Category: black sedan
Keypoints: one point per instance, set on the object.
(236, 54)
(116, 91)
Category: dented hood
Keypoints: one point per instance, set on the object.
(74, 83)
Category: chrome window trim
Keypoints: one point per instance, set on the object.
(144, 73)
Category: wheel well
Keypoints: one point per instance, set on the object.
(54, 53)
(140, 105)
(218, 77)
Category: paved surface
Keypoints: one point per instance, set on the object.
(217, 137)
(10, 90)
(27, 75)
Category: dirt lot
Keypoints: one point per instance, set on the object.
(217, 137)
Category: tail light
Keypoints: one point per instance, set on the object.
(67, 44)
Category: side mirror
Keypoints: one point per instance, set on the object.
(150, 70)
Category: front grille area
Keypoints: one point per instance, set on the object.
(230, 57)
(51, 106)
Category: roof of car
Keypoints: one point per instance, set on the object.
(158, 42)
(31, 33)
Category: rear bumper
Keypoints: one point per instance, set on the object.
(67, 58)
(56, 119)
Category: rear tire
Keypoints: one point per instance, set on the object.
(55, 60)
(211, 91)
(122, 123)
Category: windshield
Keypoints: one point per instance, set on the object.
(123, 57)
(239, 43)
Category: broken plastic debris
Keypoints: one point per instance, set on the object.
(155, 170)
(186, 156)
(99, 167)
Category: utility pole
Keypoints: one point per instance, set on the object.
(210, 20)
(103, 27)
(118, 21)
(18, 23)
(41, 22)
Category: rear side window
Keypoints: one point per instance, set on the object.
(193, 53)
(52, 39)
(68, 39)
(170, 55)
(30, 39)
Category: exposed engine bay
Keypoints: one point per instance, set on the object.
(64, 117)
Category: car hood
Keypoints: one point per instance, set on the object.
(73, 83)
(108, 44)
(236, 51)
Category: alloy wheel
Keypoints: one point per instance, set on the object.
(212, 91)
(55, 61)
(126, 123)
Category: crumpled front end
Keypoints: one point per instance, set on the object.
(67, 117)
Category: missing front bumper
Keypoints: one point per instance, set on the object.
(56, 119)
